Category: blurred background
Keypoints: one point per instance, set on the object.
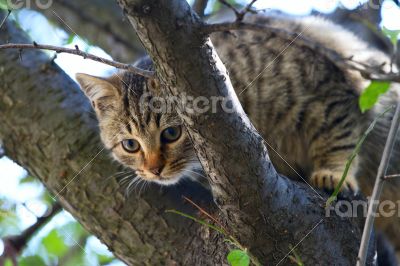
(62, 240)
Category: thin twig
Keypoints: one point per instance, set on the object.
(392, 176)
(240, 14)
(5, 18)
(376, 193)
(204, 212)
(368, 72)
(77, 51)
(228, 5)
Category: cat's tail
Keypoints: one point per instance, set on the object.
(370, 157)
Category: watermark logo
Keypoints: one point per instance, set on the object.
(39, 4)
(186, 103)
(359, 208)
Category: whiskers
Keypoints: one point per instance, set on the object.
(129, 179)
(118, 175)
(191, 172)
(134, 182)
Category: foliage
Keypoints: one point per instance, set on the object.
(370, 95)
(237, 257)
(393, 35)
(4, 5)
(63, 241)
(31, 261)
(296, 257)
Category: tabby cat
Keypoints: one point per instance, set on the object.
(305, 107)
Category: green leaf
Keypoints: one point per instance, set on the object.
(393, 35)
(32, 261)
(371, 94)
(28, 179)
(296, 257)
(104, 259)
(70, 39)
(4, 4)
(238, 257)
(54, 243)
(8, 262)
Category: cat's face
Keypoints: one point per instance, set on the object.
(152, 143)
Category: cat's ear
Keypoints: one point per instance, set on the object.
(102, 93)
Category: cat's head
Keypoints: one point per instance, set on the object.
(152, 141)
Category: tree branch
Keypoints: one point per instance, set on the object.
(259, 206)
(391, 176)
(377, 191)
(240, 14)
(81, 53)
(19, 241)
(100, 22)
(13, 245)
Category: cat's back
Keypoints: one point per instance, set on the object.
(289, 90)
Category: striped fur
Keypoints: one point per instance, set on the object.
(305, 107)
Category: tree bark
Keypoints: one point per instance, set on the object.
(47, 126)
(261, 208)
(100, 22)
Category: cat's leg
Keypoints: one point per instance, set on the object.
(330, 155)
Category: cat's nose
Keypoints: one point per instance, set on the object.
(157, 170)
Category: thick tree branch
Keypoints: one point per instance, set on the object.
(260, 207)
(39, 104)
(98, 21)
(79, 52)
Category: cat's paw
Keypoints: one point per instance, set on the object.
(328, 180)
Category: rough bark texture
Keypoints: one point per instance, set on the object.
(262, 209)
(47, 126)
(100, 22)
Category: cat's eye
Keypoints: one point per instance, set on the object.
(130, 145)
(171, 134)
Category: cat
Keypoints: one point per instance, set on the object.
(304, 105)
(312, 106)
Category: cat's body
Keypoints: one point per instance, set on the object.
(304, 106)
